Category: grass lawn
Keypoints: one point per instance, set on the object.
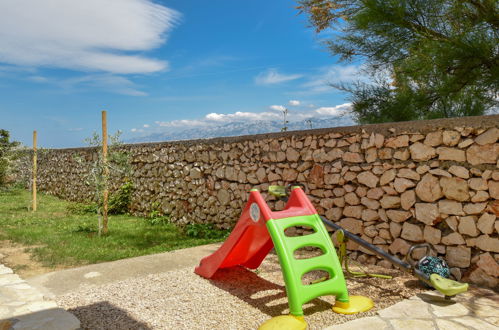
(63, 238)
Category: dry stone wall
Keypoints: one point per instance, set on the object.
(393, 184)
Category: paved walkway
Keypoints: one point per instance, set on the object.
(24, 307)
(477, 309)
(27, 308)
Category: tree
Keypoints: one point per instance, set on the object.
(117, 168)
(7, 155)
(425, 59)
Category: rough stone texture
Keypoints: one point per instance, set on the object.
(454, 154)
(421, 152)
(450, 207)
(453, 239)
(467, 226)
(488, 265)
(487, 243)
(433, 139)
(486, 223)
(451, 138)
(398, 216)
(458, 256)
(368, 179)
(411, 232)
(428, 189)
(489, 136)
(459, 171)
(407, 199)
(402, 184)
(493, 189)
(427, 213)
(486, 154)
(432, 235)
(376, 175)
(390, 202)
(455, 188)
(399, 246)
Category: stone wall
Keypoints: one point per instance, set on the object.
(393, 184)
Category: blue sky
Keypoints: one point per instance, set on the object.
(158, 66)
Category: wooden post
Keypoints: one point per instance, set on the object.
(105, 174)
(34, 171)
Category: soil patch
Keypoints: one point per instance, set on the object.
(17, 257)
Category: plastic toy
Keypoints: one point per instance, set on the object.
(259, 230)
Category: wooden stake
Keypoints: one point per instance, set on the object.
(106, 173)
(34, 171)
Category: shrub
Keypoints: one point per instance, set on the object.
(205, 230)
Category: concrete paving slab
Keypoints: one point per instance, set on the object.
(64, 281)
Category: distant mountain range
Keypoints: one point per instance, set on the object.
(240, 128)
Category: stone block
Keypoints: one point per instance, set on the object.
(486, 223)
(454, 154)
(421, 152)
(368, 179)
(395, 229)
(455, 188)
(375, 193)
(352, 225)
(432, 235)
(433, 139)
(427, 213)
(467, 226)
(429, 189)
(487, 243)
(370, 203)
(493, 189)
(450, 207)
(459, 171)
(399, 246)
(407, 199)
(369, 215)
(482, 154)
(488, 264)
(390, 202)
(398, 216)
(489, 136)
(451, 138)
(453, 239)
(458, 256)
(412, 232)
(402, 184)
(474, 208)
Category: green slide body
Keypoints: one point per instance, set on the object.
(294, 269)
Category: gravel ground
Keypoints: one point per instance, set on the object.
(235, 298)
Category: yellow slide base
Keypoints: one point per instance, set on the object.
(284, 322)
(357, 304)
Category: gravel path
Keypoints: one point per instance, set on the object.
(235, 298)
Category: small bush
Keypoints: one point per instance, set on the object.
(119, 202)
(81, 208)
(156, 216)
(205, 230)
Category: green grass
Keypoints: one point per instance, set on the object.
(64, 238)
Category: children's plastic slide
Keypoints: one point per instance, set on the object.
(259, 230)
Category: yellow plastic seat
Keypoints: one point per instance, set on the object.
(446, 286)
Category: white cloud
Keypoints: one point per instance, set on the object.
(294, 103)
(271, 76)
(217, 119)
(277, 107)
(133, 130)
(90, 35)
(321, 82)
(339, 110)
(146, 125)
